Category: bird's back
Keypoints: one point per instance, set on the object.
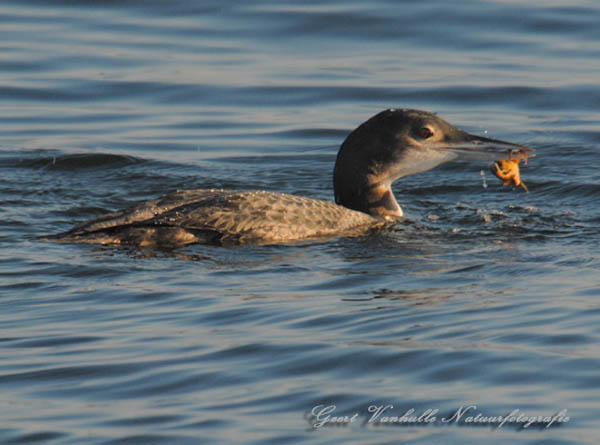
(221, 217)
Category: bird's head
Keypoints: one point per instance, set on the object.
(397, 143)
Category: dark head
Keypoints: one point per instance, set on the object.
(397, 143)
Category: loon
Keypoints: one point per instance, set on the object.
(390, 145)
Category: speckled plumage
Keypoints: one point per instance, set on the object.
(222, 217)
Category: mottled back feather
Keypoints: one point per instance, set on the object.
(222, 216)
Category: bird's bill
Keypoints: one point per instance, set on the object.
(478, 148)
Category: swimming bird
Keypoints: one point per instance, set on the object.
(390, 145)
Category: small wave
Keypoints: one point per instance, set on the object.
(79, 161)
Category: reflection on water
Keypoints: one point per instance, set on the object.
(484, 295)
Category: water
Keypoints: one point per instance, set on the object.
(484, 296)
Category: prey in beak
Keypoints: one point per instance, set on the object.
(506, 156)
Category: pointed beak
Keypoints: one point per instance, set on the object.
(468, 147)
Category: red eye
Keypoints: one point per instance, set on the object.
(425, 132)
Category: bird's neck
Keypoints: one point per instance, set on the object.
(382, 203)
(368, 196)
(359, 183)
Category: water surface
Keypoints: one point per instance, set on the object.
(484, 296)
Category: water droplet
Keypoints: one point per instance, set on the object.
(483, 184)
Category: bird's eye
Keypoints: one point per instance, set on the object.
(425, 132)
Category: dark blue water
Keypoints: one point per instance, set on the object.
(484, 296)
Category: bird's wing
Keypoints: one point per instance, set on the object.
(254, 216)
(246, 216)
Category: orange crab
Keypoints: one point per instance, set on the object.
(508, 169)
